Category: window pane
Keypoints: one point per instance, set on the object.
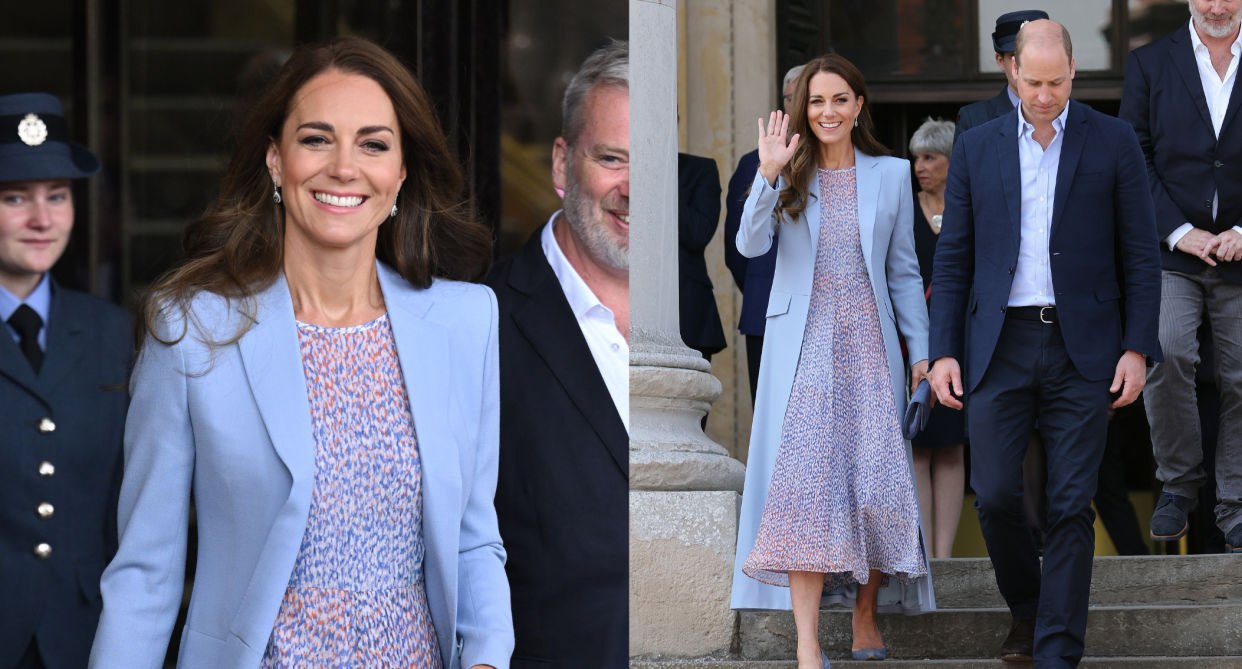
(900, 37)
(1152, 19)
(1089, 23)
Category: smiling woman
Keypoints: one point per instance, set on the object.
(344, 502)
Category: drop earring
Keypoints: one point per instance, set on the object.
(394, 211)
(275, 192)
(855, 121)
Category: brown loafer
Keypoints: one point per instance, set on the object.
(1020, 644)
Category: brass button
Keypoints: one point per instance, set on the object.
(43, 551)
(46, 468)
(46, 510)
(46, 425)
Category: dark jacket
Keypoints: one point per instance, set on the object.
(1101, 199)
(976, 114)
(89, 348)
(698, 216)
(752, 275)
(1163, 99)
(562, 495)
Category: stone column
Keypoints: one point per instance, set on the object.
(684, 487)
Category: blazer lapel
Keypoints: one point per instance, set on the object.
(15, 366)
(1183, 54)
(868, 179)
(1071, 150)
(548, 323)
(424, 353)
(1011, 174)
(272, 357)
(64, 342)
(812, 213)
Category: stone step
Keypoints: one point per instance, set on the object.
(1087, 662)
(1156, 631)
(1115, 581)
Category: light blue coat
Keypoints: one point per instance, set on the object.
(886, 228)
(234, 426)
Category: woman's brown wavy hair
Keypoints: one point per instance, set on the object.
(800, 169)
(236, 249)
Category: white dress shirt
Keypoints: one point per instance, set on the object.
(599, 325)
(40, 299)
(1032, 278)
(1217, 92)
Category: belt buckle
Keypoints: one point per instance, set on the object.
(1041, 316)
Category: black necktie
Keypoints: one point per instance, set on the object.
(27, 323)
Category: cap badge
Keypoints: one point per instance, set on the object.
(1023, 25)
(32, 130)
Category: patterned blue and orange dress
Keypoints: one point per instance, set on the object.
(841, 501)
(357, 597)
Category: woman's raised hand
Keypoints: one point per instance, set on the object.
(775, 147)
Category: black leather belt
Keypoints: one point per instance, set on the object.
(1046, 315)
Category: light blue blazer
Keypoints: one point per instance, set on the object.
(886, 228)
(234, 426)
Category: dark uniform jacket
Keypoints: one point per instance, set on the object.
(563, 489)
(61, 444)
(976, 114)
(752, 275)
(1163, 99)
(698, 216)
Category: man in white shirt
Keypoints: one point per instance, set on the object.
(562, 495)
(1193, 147)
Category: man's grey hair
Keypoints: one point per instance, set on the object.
(792, 75)
(608, 66)
(934, 136)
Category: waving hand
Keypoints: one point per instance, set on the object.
(775, 147)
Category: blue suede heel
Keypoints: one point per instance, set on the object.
(869, 654)
(827, 664)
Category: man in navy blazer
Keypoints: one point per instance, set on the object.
(64, 359)
(1036, 203)
(753, 276)
(698, 216)
(1178, 96)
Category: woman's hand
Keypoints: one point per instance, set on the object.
(918, 372)
(775, 149)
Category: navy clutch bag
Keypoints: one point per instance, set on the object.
(918, 412)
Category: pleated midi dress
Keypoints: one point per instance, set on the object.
(841, 500)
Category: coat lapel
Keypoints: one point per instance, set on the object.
(424, 353)
(1071, 150)
(868, 180)
(15, 366)
(1011, 174)
(548, 324)
(64, 342)
(812, 213)
(272, 357)
(1001, 104)
(1183, 54)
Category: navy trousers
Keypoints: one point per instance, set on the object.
(1031, 375)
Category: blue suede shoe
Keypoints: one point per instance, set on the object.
(827, 664)
(869, 654)
(1169, 522)
(1233, 540)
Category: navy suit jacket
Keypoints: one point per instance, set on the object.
(752, 275)
(698, 216)
(1163, 99)
(976, 114)
(81, 388)
(1102, 215)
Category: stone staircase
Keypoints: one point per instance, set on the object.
(1146, 613)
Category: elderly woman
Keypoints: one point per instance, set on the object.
(830, 513)
(321, 375)
(938, 462)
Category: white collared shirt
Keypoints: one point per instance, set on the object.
(39, 299)
(598, 323)
(1032, 278)
(1217, 92)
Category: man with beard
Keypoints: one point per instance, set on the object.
(1193, 145)
(562, 497)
